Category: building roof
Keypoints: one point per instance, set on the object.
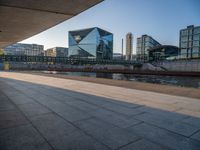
(87, 30)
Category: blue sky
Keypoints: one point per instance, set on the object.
(161, 19)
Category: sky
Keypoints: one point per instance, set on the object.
(161, 19)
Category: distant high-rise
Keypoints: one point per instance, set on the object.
(122, 48)
(129, 46)
(144, 43)
(190, 42)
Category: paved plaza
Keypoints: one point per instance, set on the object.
(46, 113)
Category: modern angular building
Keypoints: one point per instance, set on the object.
(163, 52)
(91, 43)
(144, 43)
(129, 46)
(57, 52)
(24, 49)
(189, 42)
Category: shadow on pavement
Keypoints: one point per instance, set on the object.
(37, 116)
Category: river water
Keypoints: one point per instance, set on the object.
(166, 80)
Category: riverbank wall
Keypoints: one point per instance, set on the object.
(164, 68)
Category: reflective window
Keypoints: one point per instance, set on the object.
(183, 51)
(93, 42)
(148, 39)
(190, 38)
(190, 44)
(196, 49)
(190, 32)
(183, 38)
(195, 43)
(196, 37)
(184, 32)
(197, 30)
(183, 44)
(195, 52)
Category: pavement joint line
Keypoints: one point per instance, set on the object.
(32, 124)
(129, 143)
(188, 137)
(195, 133)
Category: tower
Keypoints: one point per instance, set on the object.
(129, 46)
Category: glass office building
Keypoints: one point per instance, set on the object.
(24, 49)
(189, 42)
(90, 43)
(144, 43)
(164, 52)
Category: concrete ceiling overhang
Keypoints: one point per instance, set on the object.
(21, 19)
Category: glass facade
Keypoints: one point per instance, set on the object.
(163, 52)
(144, 43)
(56, 52)
(190, 42)
(24, 49)
(91, 43)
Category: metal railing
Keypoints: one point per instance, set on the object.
(64, 60)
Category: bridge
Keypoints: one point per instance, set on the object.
(21, 19)
(65, 60)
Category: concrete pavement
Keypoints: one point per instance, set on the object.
(38, 112)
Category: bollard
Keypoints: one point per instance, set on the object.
(1, 66)
(6, 66)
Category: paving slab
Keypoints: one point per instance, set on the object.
(106, 133)
(87, 107)
(21, 99)
(6, 105)
(196, 136)
(77, 141)
(163, 113)
(22, 138)
(192, 121)
(115, 119)
(33, 109)
(11, 118)
(144, 145)
(73, 114)
(164, 137)
(169, 124)
(52, 126)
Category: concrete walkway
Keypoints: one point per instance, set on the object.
(42, 113)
